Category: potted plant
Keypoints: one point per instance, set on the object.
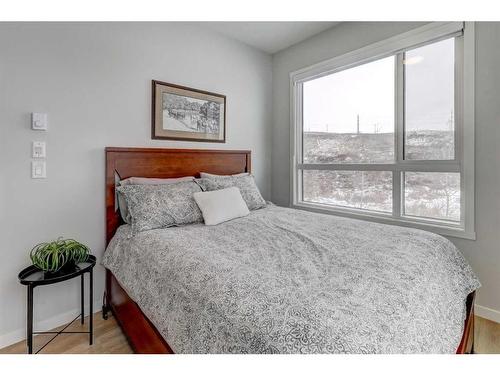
(61, 254)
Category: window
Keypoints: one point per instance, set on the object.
(386, 132)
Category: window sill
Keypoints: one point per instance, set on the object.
(439, 228)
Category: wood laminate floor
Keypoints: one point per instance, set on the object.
(109, 339)
(486, 336)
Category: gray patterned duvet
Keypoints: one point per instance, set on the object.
(289, 281)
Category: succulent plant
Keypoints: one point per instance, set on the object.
(52, 256)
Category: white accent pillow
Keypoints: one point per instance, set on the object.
(221, 205)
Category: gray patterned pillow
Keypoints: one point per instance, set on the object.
(161, 206)
(248, 189)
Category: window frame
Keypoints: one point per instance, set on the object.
(463, 161)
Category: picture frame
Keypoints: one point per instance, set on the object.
(186, 114)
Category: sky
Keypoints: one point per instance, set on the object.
(332, 103)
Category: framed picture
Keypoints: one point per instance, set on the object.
(183, 113)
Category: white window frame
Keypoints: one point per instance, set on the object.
(464, 130)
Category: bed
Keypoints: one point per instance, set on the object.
(279, 280)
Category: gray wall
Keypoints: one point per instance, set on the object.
(484, 253)
(94, 81)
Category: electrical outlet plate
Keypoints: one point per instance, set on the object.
(38, 150)
(38, 169)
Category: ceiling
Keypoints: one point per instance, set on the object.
(270, 37)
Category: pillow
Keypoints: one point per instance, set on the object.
(209, 175)
(122, 203)
(249, 191)
(153, 181)
(161, 206)
(221, 205)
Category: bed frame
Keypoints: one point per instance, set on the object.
(170, 163)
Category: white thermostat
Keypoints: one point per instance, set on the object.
(38, 169)
(39, 150)
(39, 121)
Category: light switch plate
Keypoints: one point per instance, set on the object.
(39, 121)
(38, 169)
(38, 150)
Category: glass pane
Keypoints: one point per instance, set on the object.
(432, 194)
(429, 101)
(348, 117)
(370, 190)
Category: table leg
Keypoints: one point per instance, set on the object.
(91, 303)
(30, 320)
(82, 299)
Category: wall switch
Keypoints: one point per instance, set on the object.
(39, 121)
(38, 169)
(38, 150)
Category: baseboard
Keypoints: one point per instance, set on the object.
(487, 313)
(44, 325)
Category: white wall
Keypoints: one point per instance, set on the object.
(94, 81)
(484, 253)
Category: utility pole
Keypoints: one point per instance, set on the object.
(358, 124)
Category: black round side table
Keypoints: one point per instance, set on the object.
(32, 277)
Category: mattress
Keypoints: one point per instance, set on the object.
(287, 281)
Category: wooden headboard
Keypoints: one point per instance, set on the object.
(122, 163)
